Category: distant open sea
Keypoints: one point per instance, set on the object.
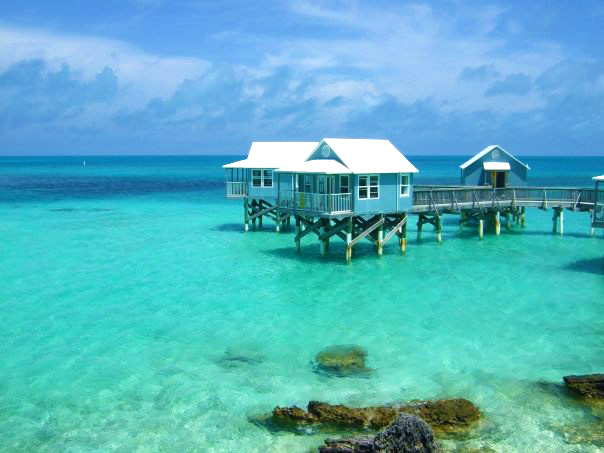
(124, 282)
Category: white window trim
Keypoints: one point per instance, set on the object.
(262, 170)
(400, 184)
(368, 187)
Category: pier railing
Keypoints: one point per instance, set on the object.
(457, 198)
(236, 189)
(318, 203)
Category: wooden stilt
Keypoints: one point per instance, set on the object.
(462, 220)
(439, 228)
(349, 240)
(523, 217)
(246, 215)
(480, 228)
(260, 221)
(322, 242)
(508, 221)
(592, 230)
(288, 221)
(561, 220)
(380, 239)
(419, 227)
(404, 236)
(496, 219)
(298, 231)
(558, 221)
(277, 221)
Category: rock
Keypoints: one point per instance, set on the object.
(590, 386)
(444, 416)
(342, 360)
(407, 434)
(352, 445)
(235, 358)
(587, 433)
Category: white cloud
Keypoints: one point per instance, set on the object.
(141, 75)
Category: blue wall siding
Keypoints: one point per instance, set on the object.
(389, 200)
(474, 175)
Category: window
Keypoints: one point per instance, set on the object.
(344, 184)
(307, 183)
(369, 187)
(268, 178)
(257, 178)
(321, 184)
(262, 178)
(404, 185)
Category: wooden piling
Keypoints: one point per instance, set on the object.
(439, 228)
(496, 219)
(403, 239)
(419, 227)
(298, 231)
(380, 238)
(480, 228)
(277, 221)
(592, 214)
(523, 217)
(508, 221)
(349, 240)
(246, 215)
(558, 221)
(322, 242)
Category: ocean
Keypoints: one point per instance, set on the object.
(127, 284)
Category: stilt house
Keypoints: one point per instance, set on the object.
(348, 177)
(495, 167)
(253, 177)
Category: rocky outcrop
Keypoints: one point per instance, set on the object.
(407, 434)
(341, 360)
(444, 416)
(590, 386)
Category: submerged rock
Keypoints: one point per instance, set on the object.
(444, 416)
(590, 386)
(341, 360)
(235, 358)
(407, 434)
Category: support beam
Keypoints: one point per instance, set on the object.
(558, 221)
(497, 222)
(481, 228)
(592, 214)
(323, 242)
(403, 238)
(508, 220)
(277, 221)
(439, 228)
(369, 230)
(349, 240)
(298, 231)
(380, 237)
(523, 217)
(246, 215)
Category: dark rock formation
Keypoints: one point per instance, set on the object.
(589, 386)
(407, 434)
(342, 360)
(444, 416)
(236, 358)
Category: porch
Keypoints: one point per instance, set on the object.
(315, 203)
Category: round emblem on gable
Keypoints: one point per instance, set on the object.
(495, 154)
(325, 150)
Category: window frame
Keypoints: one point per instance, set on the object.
(262, 177)
(368, 187)
(401, 185)
(347, 185)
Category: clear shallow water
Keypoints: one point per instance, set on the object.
(123, 284)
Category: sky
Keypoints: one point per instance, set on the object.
(211, 76)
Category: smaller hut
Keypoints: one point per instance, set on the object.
(494, 166)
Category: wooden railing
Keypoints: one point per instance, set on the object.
(315, 202)
(236, 189)
(455, 198)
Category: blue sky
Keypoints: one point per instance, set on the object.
(208, 77)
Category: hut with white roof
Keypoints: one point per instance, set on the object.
(252, 179)
(494, 166)
(362, 186)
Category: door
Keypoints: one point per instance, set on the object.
(500, 181)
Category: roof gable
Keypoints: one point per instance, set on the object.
(366, 156)
(486, 151)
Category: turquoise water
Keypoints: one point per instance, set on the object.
(123, 283)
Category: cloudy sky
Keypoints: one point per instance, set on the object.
(210, 76)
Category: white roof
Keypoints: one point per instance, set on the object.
(598, 178)
(496, 166)
(369, 156)
(326, 166)
(485, 151)
(274, 154)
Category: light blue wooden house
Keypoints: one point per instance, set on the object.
(253, 177)
(347, 177)
(494, 166)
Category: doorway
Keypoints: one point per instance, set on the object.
(498, 179)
